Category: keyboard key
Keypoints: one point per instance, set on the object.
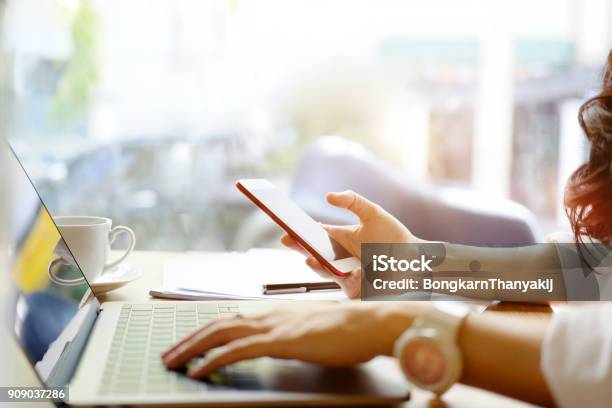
(163, 305)
(142, 307)
(208, 308)
(232, 304)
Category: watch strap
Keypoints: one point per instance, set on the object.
(446, 316)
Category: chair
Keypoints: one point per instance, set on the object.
(431, 212)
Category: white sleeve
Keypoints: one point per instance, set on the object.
(577, 356)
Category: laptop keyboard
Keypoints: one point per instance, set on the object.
(142, 333)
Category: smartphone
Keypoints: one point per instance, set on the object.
(299, 225)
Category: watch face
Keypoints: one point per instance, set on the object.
(425, 362)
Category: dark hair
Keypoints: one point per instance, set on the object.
(588, 193)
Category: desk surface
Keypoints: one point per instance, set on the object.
(151, 265)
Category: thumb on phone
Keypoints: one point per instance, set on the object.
(363, 208)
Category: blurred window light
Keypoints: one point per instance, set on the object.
(478, 94)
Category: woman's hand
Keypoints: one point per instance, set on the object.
(333, 336)
(375, 225)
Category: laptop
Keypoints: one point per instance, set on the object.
(109, 353)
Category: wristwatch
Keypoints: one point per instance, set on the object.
(428, 351)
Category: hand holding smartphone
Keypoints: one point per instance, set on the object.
(299, 225)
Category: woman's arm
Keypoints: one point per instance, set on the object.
(501, 353)
(527, 263)
(377, 225)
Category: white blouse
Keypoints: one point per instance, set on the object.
(577, 350)
(577, 356)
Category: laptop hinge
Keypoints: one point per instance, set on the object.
(64, 369)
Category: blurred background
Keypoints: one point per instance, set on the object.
(460, 117)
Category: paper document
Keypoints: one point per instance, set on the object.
(238, 275)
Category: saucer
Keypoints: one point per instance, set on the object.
(115, 278)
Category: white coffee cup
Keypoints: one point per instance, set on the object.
(89, 240)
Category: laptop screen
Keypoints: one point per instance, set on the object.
(45, 317)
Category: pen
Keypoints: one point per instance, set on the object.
(284, 288)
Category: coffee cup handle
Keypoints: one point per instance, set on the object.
(54, 266)
(112, 235)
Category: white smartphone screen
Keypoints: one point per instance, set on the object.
(285, 210)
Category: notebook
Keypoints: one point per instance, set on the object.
(238, 275)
